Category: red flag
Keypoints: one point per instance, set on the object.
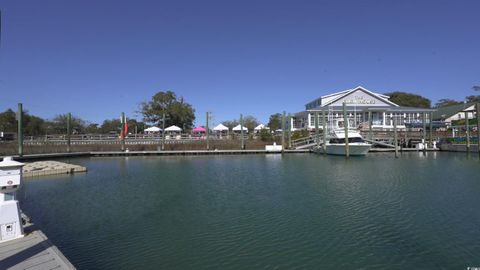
(125, 129)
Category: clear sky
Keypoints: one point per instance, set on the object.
(97, 58)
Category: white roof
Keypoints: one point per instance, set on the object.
(220, 127)
(173, 128)
(153, 129)
(261, 126)
(9, 162)
(237, 128)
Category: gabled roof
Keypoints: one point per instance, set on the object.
(360, 88)
(331, 98)
(448, 111)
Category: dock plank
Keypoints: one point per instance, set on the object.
(32, 252)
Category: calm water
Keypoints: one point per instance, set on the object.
(298, 211)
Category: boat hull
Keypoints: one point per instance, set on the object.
(355, 149)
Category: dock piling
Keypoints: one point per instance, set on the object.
(69, 131)
(324, 131)
(241, 132)
(207, 131)
(317, 132)
(478, 128)
(467, 130)
(395, 137)
(122, 134)
(283, 130)
(345, 124)
(20, 129)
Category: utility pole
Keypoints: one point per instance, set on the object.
(20, 129)
(69, 130)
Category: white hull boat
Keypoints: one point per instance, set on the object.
(354, 149)
(336, 145)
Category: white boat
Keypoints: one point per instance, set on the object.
(335, 144)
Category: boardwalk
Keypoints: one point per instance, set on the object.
(34, 251)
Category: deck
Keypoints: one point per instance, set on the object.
(34, 251)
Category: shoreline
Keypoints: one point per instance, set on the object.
(191, 153)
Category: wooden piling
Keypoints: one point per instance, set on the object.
(370, 123)
(424, 137)
(20, 129)
(207, 132)
(345, 124)
(324, 131)
(478, 128)
(283, 131)
(467, 134)
(69, 131)
(317, 132)
(122, 135)
(395, 138)
(241, 132)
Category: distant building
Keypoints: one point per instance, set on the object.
(359, 103)
(452, 113)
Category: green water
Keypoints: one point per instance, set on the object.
(297, 211)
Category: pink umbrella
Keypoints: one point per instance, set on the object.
(199, 129)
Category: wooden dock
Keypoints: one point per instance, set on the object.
(43, 168)
(34, 251)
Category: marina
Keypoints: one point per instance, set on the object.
(258, 211)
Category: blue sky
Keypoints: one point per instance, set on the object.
(98, 58)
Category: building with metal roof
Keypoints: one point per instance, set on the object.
(360, 104)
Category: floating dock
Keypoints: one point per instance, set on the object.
(34, 251)
(43, 168)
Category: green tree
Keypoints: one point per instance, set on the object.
(231, 124)
(8, 122)
(92, 128)
(445, 102)
(111, 126)
(266, 135)
(32, 125)
(472, 99)
(275, 121)
(177, 111)
(59, 124)
(409, 100)
(250, 122)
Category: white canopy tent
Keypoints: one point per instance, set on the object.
(260, 127)
(152, 130)
(173, 129)
(238, 128)
(220, 127)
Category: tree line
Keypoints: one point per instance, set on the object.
(412, 100)
(166, 108)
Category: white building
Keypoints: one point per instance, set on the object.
(455, 112)
(360, 103)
